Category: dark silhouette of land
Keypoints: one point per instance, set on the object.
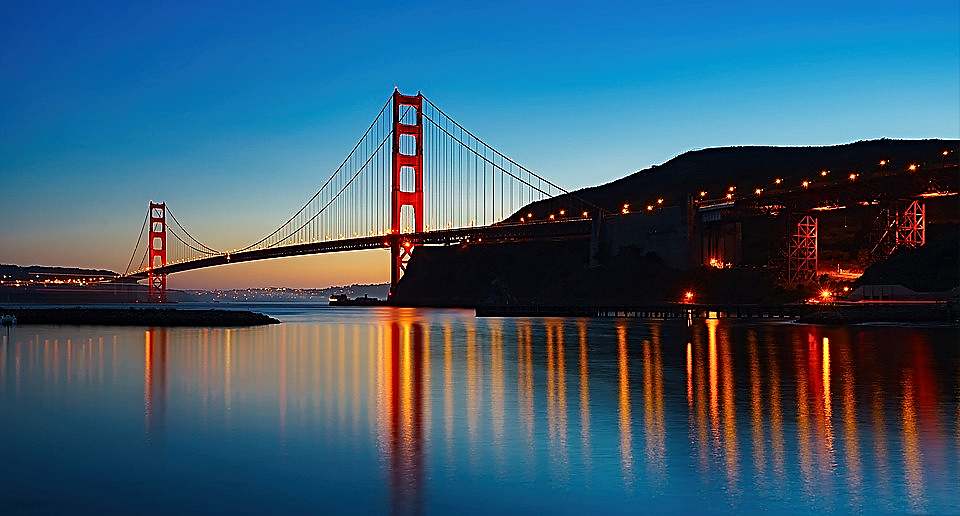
(560, 273)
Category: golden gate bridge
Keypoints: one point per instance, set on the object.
(418, 177)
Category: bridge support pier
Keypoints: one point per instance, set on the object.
(157, 252)
(407, 160)
(912, 225)
(802, 252)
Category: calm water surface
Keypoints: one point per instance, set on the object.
(430, 411)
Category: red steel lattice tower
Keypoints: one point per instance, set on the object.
(912, 227)
(157, 252)
(802, 254)
(400, 248)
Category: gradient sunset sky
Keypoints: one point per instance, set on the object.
(235, 113)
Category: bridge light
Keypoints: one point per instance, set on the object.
(853, 176)
(805, 184)
(660, 200)
(913, 167)
(777, 181)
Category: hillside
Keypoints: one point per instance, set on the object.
(558, 273)
(714, 169)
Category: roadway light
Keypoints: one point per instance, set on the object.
(649, 207)
(945, 153)
(853, 176)
(729, 196)
(883, 162)
(732, 188)
(522, 219)
(660, 201)
(551, 216)
(913, 167)
(563, 212)
(585, 214)
(758, 191)
(703, 194)
(777, 181)
(688, 296)
(529, 215)
(626, 209)
(805, 184)
(823, 173)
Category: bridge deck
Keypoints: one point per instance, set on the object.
(564, 229)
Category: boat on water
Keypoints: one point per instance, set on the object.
(343, 300)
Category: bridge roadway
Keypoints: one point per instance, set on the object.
(843, 191)
(563, 229)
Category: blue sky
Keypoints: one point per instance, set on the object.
(234, 113)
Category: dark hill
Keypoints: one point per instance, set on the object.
(557, 273)
(748, 167)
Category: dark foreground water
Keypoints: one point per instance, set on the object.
(408, 411)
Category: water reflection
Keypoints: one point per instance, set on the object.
(426, 409)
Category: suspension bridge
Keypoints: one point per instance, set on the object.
(415, 177)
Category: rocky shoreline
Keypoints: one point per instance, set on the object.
(137, 317)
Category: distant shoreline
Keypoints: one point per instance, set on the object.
(168, 317)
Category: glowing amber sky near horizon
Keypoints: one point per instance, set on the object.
(235, 116)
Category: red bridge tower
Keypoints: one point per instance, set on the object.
(157, 252)
(400, 248)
